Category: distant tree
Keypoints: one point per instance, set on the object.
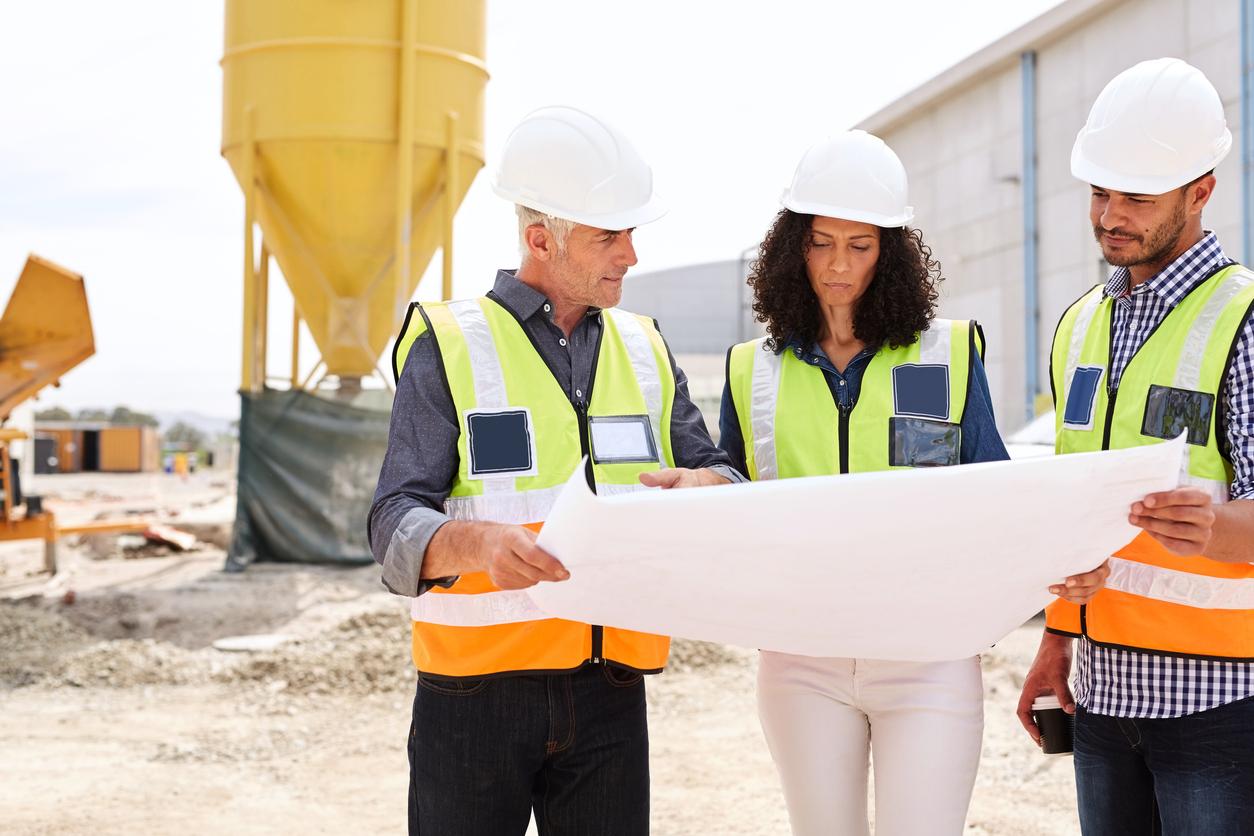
(54, 413)
(185, 434)
(123, 415)
(92, 414)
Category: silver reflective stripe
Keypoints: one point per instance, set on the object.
(1175, 587)
(519, 508)
(1079, 331)
(604, 489)
(764, 398)
(935, 343)
(504, 507)
(644, 365)
(508, 606)
(486, 371)
(1189, 370)
(1219, 491)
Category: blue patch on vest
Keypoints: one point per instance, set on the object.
(922, 391)
(1082, 396)
(500, 442)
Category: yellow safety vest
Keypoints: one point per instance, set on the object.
(521, 438)
(908, 413)
(1155, 600)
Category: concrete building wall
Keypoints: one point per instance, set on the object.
(962, 148)
(702, 308)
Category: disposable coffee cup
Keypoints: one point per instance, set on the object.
(1057, 727)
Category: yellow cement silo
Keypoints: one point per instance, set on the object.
(354, 130)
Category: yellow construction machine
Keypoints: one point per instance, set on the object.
(45, 332)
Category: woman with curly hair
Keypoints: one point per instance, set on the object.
(856, 375)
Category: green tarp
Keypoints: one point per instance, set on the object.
(308, 464)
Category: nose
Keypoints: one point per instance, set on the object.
(626, 250)
(1110, 215)
(839, 262)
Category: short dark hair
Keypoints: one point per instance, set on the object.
(898, 304)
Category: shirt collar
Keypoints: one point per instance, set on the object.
(523, 299)
(814, 355)
(1179, 277)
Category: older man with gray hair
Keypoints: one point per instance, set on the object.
(498, 401)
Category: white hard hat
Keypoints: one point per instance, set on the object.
(568, 164)
(854, 176)
(1155, 127)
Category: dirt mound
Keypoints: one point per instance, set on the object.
(31, 638)
(365, 654)
(689, 655)
(128, 662)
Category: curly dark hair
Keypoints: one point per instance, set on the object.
(897, 305)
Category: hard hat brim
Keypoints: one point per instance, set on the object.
(844, 213)
(613, 221)
(1105, 178)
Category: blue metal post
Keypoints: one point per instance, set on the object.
(1031, 305)
(1247, 127)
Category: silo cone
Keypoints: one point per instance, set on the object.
(343, 143)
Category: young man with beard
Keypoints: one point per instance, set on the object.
(1164, 734)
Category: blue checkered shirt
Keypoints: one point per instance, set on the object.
(1125, 683)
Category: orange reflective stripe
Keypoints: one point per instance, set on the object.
(549, 645)
(1145, 549)
(643, 651)
(1156, 600)
(1125, 620)
(1063, 617)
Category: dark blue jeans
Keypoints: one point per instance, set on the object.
(575, 747)
(1186, 776)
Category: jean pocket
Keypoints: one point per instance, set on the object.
(452, 687)
(621, 678)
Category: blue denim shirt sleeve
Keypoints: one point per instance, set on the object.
(981, 442)
(730, 440)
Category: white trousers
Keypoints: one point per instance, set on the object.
(923, 720)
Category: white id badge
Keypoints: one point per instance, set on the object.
(622, 438)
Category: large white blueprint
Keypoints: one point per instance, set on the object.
(921, 565)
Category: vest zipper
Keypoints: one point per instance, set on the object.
(585, 446)
(598, 637)
(581, 412)
(1110, 394)
(844, 437)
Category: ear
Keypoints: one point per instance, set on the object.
(1199, 193)
(540, 243)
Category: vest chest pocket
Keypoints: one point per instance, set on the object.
(501, 442)
(916, 442)
(1170, 411)
(622, 438)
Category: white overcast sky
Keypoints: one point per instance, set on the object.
(109, 148)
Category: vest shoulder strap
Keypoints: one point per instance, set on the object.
(415, 325)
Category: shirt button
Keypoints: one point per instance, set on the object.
(578, 393)
(813, 360)
(561, 341)
(547, 307)
(842, 383)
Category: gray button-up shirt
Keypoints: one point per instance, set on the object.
(421, 461)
